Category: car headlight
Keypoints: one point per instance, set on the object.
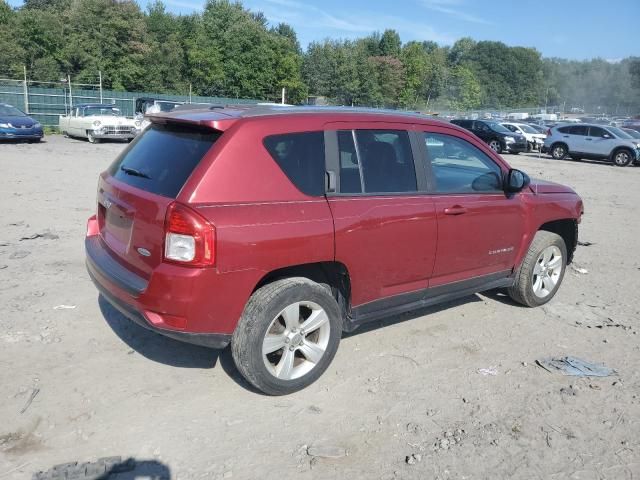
(96, 123)
(36, 125)
(5, 125)
(137, 123)
(509, 139)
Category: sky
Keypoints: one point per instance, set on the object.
(575, 29)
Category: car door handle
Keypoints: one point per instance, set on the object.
(588, 139)
(565, 136)
(455, 210)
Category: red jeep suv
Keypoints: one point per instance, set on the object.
(275, 229)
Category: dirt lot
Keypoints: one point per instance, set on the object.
(104, 387)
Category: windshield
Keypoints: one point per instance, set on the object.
(619, 133)
(167, 106)
(632, 133)
(106, 111)
(527, 129)
(496, 127)
(9, 111)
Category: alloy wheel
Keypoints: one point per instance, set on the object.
(547, 271)
(296, 340)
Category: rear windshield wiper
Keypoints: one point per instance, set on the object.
(134, 172)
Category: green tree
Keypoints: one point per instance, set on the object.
(390, 44)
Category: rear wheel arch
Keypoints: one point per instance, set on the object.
(333, 275)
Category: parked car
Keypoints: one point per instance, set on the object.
(598, 142)
(539, 128)
(151, 105)
(535, 139)
(17, 125)
(276, 229)
(96, 122)
(495, 135)
(631, 132)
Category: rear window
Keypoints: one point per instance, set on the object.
(301, 158)
(163, 158)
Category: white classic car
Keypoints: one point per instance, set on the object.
(96, 121)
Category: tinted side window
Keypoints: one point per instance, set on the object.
(386, 161)
(379, 161)
(579, 130)
(480, 127)
(597, 132)
(511, 127)
(161, 160)
(564, 129)
(459, 167)
(462, 123)
(301, 158)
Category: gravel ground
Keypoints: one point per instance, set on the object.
(445, 392)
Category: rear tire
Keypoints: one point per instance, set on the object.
(529, 147)
(559, 151)
(540, 274)
(622, 157)
(270, 346)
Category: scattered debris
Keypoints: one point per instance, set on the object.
(19, 254)
(102, 468)
(585, 244)
(570, 391)
(413, 459)
(314, 409)
(413, 428)
(488, 371)
(575, 367)
(2, 267)
(326, 451)
(34, 392)
(580, 270)
(45, 235)
(449, 439)
(64, 307)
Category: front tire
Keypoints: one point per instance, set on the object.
(541, 272)
(287, 336)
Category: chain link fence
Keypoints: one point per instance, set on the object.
(46, 101)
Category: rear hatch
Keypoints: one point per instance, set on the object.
(136, 190)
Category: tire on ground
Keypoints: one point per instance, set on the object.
(522, 289)
(263, 306)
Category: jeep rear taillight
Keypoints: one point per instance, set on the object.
(548, 132)
(189, 238)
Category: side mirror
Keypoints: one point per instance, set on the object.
(516, 181)
(606, 135)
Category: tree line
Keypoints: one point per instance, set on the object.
(229, 51)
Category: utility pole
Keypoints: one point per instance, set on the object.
(100, 79)
(26, 91)
(70, 95)
(190, 91)
(283, 95)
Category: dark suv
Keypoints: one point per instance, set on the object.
(499, 138)
(276, 229)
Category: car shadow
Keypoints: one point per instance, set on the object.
(161, 349)
(154, 346)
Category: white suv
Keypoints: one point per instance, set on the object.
(598, 142)
(534, 138)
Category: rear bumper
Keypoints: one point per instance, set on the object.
(106, 273)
